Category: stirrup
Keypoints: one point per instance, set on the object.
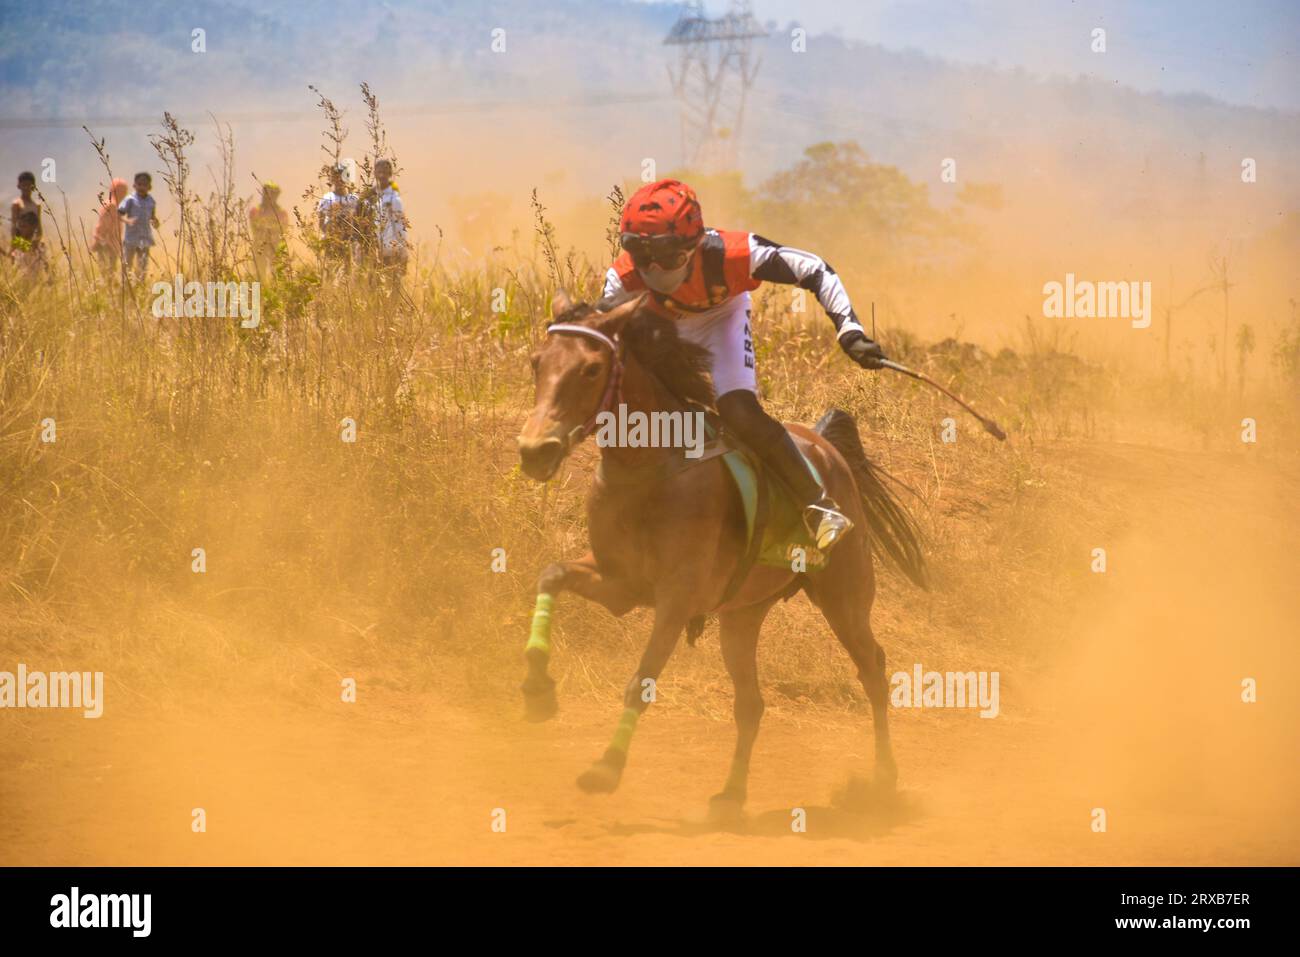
(832, 526)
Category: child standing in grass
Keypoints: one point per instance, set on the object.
(138, 211)
(336, 215)
(106, 239)
(390, 220)
(24, 203)
(268, 224)
(26, 251)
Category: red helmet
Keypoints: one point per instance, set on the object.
(668, 208)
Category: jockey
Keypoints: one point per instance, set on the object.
(702, 278)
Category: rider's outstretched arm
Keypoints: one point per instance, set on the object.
(772, 262)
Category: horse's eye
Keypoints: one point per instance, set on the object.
(591, 370)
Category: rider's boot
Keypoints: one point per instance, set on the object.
(822, 517)
(776, 447)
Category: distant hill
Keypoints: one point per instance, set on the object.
(596, 70)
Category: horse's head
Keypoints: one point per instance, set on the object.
(576, 374)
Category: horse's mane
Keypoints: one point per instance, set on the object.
(682, 366)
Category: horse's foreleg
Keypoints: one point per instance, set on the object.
(670, 622)
(582, 578)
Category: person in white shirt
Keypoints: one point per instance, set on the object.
(336, 214)
(390, 220)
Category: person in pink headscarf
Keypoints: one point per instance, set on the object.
(106, 239)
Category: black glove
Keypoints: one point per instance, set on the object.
(865, 352)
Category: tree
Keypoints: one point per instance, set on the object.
(854, 212)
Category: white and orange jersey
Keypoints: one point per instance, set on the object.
(728, 263)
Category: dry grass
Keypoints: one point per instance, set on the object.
(374, 557)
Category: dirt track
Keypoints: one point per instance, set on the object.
(1141, 715)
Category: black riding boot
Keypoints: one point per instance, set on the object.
(768, 438)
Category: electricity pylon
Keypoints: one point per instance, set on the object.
(711, 81)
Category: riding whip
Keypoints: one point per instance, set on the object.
(991, 427)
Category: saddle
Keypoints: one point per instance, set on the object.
(775, 534)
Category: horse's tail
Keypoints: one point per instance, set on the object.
(887, 520)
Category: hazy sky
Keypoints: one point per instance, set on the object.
(1241, 51)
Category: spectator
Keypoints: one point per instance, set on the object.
(268, 223)
(106, 239)
(26, 251)
(390, 220)
(336, 215)
(23, 203)
(139, 212)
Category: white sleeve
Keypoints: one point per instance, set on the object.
(772, 262)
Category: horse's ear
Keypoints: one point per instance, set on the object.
(614, 320)
(560, 303)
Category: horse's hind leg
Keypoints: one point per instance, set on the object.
(849, 616)
(739, 632)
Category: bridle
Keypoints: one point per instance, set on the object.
(613, 385)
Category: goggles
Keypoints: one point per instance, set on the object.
(666, 252)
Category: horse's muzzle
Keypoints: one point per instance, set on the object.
(540, 458)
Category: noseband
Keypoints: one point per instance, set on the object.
(613, 385)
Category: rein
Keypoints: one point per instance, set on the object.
(613, 385)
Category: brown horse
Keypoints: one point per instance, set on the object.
(670, 535)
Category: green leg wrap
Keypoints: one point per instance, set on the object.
(539, 637)
(623, 734)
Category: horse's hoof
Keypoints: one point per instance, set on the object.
(600, 778)
(540, 702)
(861, 794)
(541, 706)
(726, 810)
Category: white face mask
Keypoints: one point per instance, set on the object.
(665, 280)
